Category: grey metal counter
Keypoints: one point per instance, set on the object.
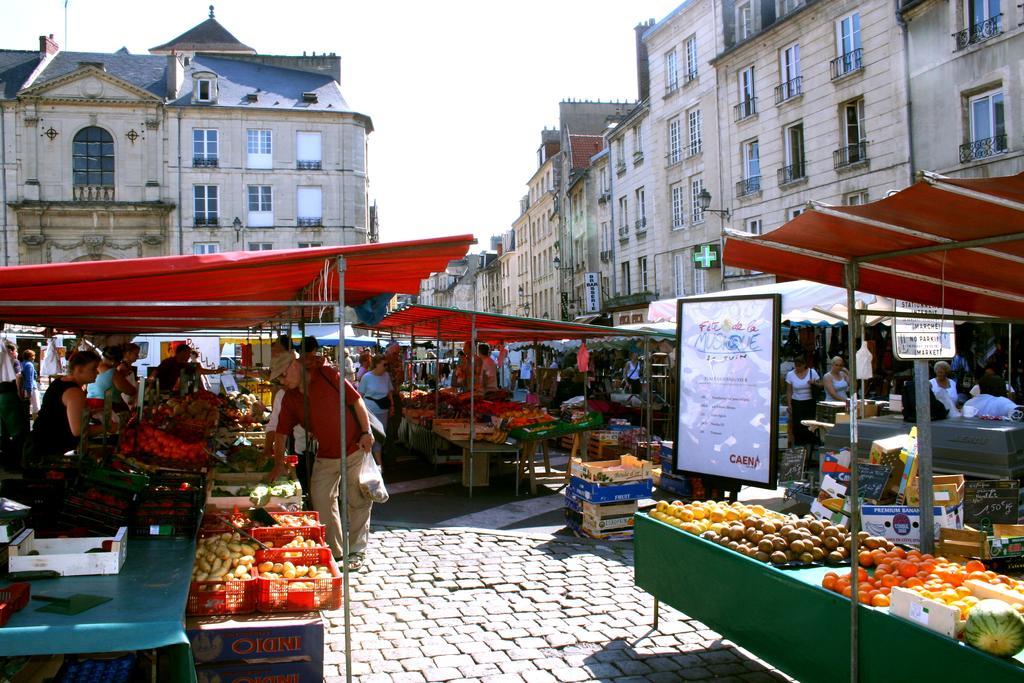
(986, 449)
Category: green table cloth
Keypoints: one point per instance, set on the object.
(787, 619)
(147, 609)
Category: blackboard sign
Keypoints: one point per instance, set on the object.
(791, 463)
(990, 501)
(871, 481)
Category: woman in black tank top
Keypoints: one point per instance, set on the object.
(58, 427)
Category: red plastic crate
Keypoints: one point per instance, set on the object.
(280, 535)
(237, 597)
(276, 595)
(213, 521)
(13, 598)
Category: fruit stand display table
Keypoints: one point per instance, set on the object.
(146, 612)
(423, 440)
(483, 451)
(787, 619)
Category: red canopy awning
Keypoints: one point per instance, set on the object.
(215, 291)
(446, 324)
(955, 243)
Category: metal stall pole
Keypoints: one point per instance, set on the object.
(344, 479)
(649, 395)
(472, 398)
(923, 395)
(852, 327)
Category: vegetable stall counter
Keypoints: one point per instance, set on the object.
(146, 610)
(787, 619)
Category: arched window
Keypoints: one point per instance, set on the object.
(93, 157)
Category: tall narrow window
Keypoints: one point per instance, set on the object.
(680, 273)
(854, 149)
(987, 129)
(261, 206)
(309, 209)
(259, 148)
(678, 198)
(700, 280)
(671, 71)
(691, 58)
(982, 20)
(307, 150)
(751, 157)
(789, 68)
(675, 140)
(694, 124)
(638, 144)
(641, 269)
(744, 20)
(848, 47)
(623, 215)
(748, 101)
(626, 284)
(641, 210)
(794, 154)
(204, 90)
(92, 157)
(205, 148)
(205, 210)
(696, 211)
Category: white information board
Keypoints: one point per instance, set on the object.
(915, 338)
(728, 389)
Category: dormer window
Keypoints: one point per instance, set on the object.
(204, 87)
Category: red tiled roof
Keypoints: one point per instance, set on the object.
(583, 147)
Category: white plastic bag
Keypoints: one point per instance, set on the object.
(371, 481)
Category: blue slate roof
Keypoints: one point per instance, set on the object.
(276, 87)
(143, 71)
(15, 67)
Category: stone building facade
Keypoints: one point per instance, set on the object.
(199, 147)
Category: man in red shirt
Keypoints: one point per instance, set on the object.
(322, 388)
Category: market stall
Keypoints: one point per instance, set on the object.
(508, 428)
(945, 243)
(229, 291)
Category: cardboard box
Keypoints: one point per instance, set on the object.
(1006, 540)
(68, 556)
(933, 615)
(257, 672)
(609, 493)
(256, 637)
(901, 523)
(948, 490)
(890, 446)
(625, 468)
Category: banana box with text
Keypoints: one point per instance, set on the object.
(264, 639)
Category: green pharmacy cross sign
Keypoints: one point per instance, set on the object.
(705, 256)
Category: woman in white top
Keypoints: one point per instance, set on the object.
(377, 391)
(631, 373)
(800, 400)
(944, 387)
(837, 381)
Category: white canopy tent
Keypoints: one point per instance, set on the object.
(803, 303)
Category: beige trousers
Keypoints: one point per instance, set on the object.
(323, 489)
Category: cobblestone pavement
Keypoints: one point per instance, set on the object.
(467, 605)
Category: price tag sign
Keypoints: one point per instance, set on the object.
(988, 502)
(871, 481)
(791, 464)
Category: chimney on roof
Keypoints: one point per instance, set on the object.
(48, 46)
(643, 70)
(175, 76)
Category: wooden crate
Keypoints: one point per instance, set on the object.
(959, 544)
(68, 556)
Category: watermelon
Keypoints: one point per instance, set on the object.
(995, 627)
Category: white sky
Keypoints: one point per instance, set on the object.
(458, 90)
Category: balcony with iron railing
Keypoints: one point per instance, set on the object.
(641, 225)
(789, 89)
(746, 108)
(748, 186)
(606, 255)
(620, 166)
(206, 221)
(983, 148)
(847, 63)
(689, 77)
(309, 165)
(694, 148)
(624, 232)
(792, 173)
(310, 222)
(205, 161)
(672, 87)
(980, 32)
(850, 155)
(92, 193)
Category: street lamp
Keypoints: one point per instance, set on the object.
(237, 225)
(524, 300)
(569, 303)
(704, 198)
